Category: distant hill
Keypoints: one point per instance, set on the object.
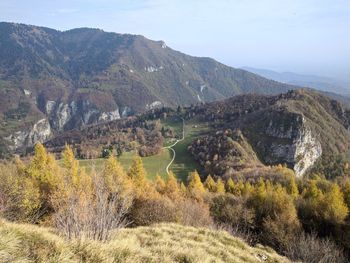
(310, 81)
(159, 243)
(52, 81)
(300, 128)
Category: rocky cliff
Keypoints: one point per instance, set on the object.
(297, 128)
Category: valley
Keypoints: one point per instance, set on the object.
(117, 148)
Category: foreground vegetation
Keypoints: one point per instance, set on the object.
(305, 220)
(159, 243)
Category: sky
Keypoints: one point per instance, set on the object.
(302, 36)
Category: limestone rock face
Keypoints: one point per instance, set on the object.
(60, 116)
(76, 114)
(290, 142)
(307, 150)
(109, 116)
(40, 132)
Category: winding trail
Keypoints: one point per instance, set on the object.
(170, 147)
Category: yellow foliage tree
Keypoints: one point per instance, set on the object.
(115, 178)
(292, 187)
(210, 184)
(220, 186)
(233, 188)
(137, 172)
(45, 175)
(172, 188)
(71, 165)
(159, 184)
(332, 206)
(245, 188)
(138, 176)
(346, 193)
(195, 186)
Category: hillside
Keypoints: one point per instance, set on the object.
(298, 128)
(242, 134)
(52, 81)
(160, 243)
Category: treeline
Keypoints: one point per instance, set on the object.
(134, 133)
(306, 220)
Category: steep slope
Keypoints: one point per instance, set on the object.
(159, 243)
(69, 79)
(244, 133)
(296, 128)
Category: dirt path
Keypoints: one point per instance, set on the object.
(170, 147)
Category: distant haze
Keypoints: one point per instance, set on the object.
(310, 37)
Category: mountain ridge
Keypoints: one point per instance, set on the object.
(68, 79)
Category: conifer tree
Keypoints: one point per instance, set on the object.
(346, 193)
(233, 188)
(172, 188)
(137, 172)
(332, 207)
(230, 186)
(71, 166)
(183, 189)
(43, 178)
(220, 186)
(195, 186)
(210, 184)
(292, 187)
(116, 179)
(160, 184)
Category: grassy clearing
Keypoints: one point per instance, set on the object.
(154, 165)
(159, 243)
(184, 161)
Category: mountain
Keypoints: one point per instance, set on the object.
(317, 82)
(245, 134)
(301, 128)
(52, 81)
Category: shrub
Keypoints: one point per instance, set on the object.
(91, 213)
(232, 212)
(145, 212)
(309, 248)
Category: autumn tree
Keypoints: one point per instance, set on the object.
(292, 187)
(159, 184)
(44, 174)
(346, 193)
(210, 184)
(322, 209)
(115, 178)
(220, 186)
(195, 186)
(172, 188)
(137, 172)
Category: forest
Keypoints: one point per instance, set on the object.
(303, 219)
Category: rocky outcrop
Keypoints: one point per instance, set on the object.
(64, 116)
(288, 139)
(307, 150)
(109, 116)
(40, 132)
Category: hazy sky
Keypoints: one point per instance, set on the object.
(304, 36)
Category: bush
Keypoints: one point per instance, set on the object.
(162, 209)
(232, 212)
(310, 249)
(91, 213)
(145, 212)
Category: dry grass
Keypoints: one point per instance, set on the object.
(160, 243)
